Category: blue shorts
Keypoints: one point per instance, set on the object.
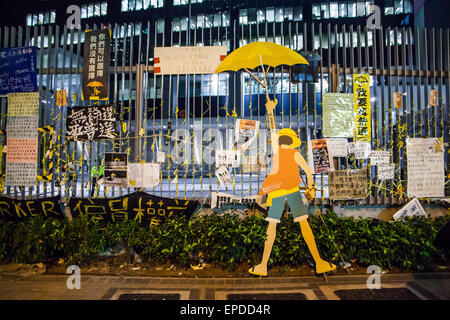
(295, 203)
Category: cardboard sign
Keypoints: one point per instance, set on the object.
(337, 118)
(361, 150)
(188, 60)
(18, 70)
(246, 131)
(433, 98)
(228, 158)
(19, 210)
(224, 176)
(379, 158)
(319, 156)
(412, 208)
(97, 47)
(398, 100)
(144, 208)
(338, 147)
(22, 139)
(143, 175)
(362, 107)
(91, 123)
(347, 184)
(385, 172)
(61, 98)
(160, 157)
(115, 171)
(222, 199)
(425, 163)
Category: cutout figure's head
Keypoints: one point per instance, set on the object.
(288, 138)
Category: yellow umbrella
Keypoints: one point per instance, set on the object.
(258, 54)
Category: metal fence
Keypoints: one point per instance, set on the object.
(190, 116)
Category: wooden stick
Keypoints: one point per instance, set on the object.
(254, 77)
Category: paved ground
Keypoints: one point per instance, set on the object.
(431, 286)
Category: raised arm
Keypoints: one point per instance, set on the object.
(302, 164)
(270, 106)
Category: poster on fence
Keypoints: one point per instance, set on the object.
(379, 158)
(18, 70)
(188, 60)
(319, 156)
(412, 208)
(361, 150)
(338, 147)
(222, 199)
(97, 47)
(143, 175)
(246, 131)
(337, 119)
(144, 208)
(115, 170)
(228, 158)
(347, 184)
(22, 139)
(425, 163)
(362, 107)
(91, 123)
(223, 175)
(385, 171)
(19, 210)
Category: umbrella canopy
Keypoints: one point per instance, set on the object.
(95, 84)
(254, 54)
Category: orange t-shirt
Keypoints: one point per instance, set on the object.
(285, 172)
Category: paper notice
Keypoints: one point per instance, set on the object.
(224, 176)
(338, 147)
(412, 208)
(228, 158)
(246, 131)
(379, 158)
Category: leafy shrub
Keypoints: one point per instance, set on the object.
(226, 241)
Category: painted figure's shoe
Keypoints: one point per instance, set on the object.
(259, 270)
(324, 266)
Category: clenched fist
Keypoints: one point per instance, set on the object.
(270, 105)
(310, 194)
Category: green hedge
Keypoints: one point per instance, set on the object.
(225, 241)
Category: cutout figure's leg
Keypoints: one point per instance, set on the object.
(322, 266)
(261, 269)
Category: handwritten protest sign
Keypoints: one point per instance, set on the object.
(337, 115)
(160, 157)
(246, 131)
(347, 184)
(18, 70)
(385, 172)
(361, 150)
(379, 158)
(338, 147)
(228, 158)
(412, 208)
(425, 162)
(143, 175)
(22, 139)
(362, 107)
(96, 60)
(91, 123)
(144, 208)
(19, 210)
(115, 170)
(319, 157)
(223, 175)
(188, 60)
(222, 199)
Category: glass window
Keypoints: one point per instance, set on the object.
(84, 11)
(131, 5)
(29, 20)
(97, 9)
(279, 14)
(351, 10)
(252, 15)
(217, 20)
(226, 19)
(260, 16)
(334, 12)
(409, 6)
(145, 4)
(316, 11)
(243, 17)
(138, 4)
(160, 27)
(342, 10)
(270, 14)
(35, 19)
(53, 17)
(104, 8)
(124, 6)
(47, 17)
(388, 7)
(208, 20)
(41, 18)
(360, 9)
(369, 7)
(90, 10)
(289, 13)
(398, 4)
(200, 21)
(325, 11)
(298, 13)
(176, 25)
(184, 23)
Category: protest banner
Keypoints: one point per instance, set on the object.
(362, 107)
(19, 210)
(91, 123)
(18, 70)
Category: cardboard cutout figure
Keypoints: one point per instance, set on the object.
(281, 185)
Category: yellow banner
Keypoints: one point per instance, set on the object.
(361, 95)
